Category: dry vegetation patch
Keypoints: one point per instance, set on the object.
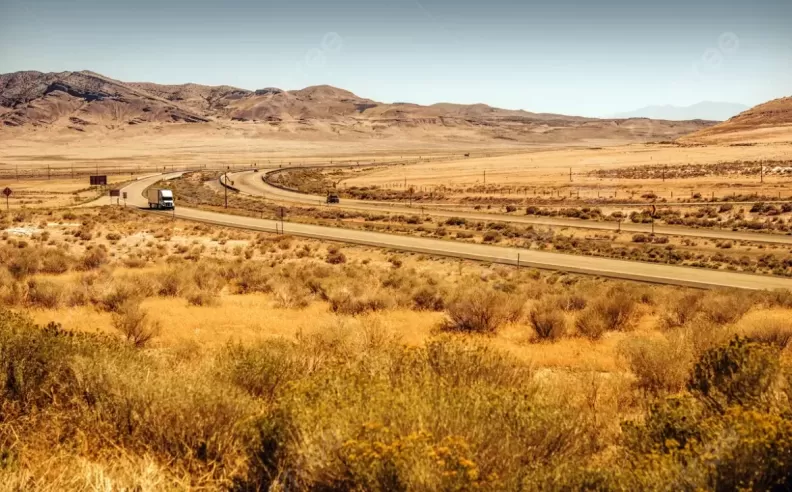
(257, 364)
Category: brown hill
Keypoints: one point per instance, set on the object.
(85, 101)
(200, 98)
(81, 99)
(764, 121)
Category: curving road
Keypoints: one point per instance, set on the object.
(605, 267)
(252, 183)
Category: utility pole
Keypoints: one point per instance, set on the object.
(570, 174)
(281, 218)
(664, 171)
(761, 171)
(226, 189)
(485, 177)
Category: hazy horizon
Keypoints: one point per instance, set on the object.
(569, 57)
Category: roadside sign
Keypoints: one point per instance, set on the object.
(7, 191)
(100, 180)
(124, 195)
(115, 193)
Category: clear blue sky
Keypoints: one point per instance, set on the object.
(583, 57)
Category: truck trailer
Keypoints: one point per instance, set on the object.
(160, 198)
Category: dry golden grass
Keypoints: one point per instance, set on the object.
(290, 366)
(768, 326)
(53, 193)
(239, 146)
(551, 167)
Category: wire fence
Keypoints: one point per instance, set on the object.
(18, 173)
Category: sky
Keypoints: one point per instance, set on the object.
(581, 57)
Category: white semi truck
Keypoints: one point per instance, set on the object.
(160, 198)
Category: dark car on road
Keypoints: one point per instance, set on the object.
(332, 198)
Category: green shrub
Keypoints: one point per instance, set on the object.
(94, 258)
(345, 301)
(773, 329)
(171, 282)
(591, 325)
(478, 310)
(547, 321)
(461, 363)
(725, 308)
(34, 363)
(613, 312)
(739, 373)
(670, 424)
(133, 322)
(23, 264)
(428, 298)
(447, 416)
(44, 293)
(197, 297)
(753, 450)
(492, 237)
(292, 296)
(571, 302)
(114, 295)
(265, 369)
(335, 256)
(692, 448)
(253, 277)
(177, 414)
(660, 365)
(55, 261)
(682, 309)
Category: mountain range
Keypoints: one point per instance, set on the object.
(86, 101)
(708, 110)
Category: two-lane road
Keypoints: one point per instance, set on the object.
(605, 267)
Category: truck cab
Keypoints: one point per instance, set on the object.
(332, 198)
(166, 199)
(160, 198)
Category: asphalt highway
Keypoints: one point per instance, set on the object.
(606, 267)
(252, 183)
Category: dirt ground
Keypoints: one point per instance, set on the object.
(240, 146)
(544, 170)
(54, 193)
